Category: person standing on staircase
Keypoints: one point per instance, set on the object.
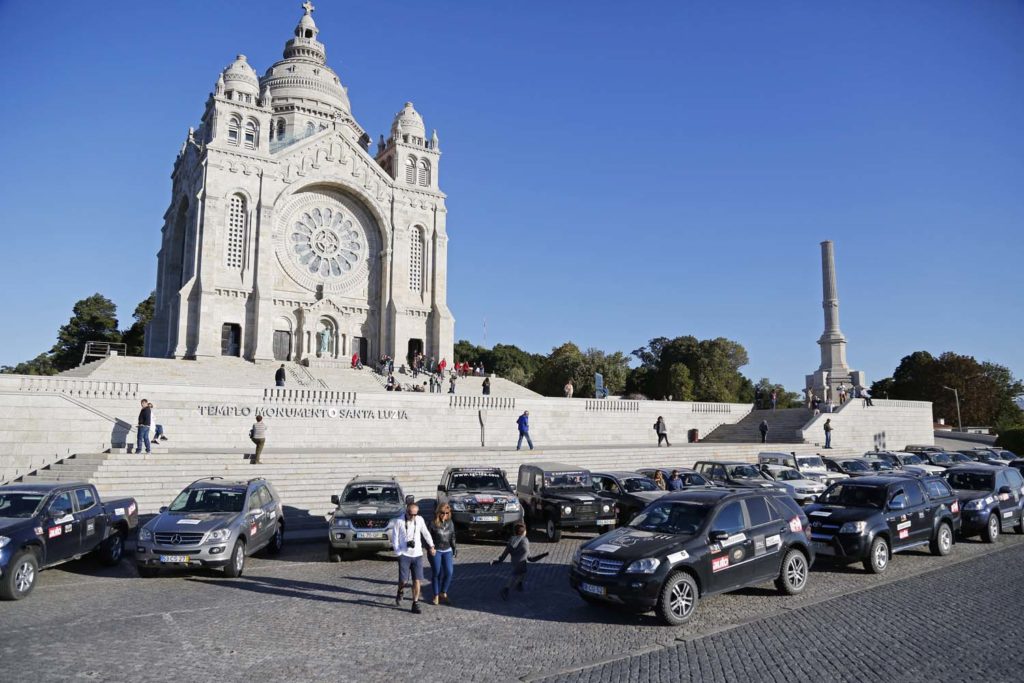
(258, 435)
(280, 376)
(828, 433)
(763, 428)
(487, 386)
(662, 431)
(144, 423)
(775, 399)
(568, 389)
(524, 430)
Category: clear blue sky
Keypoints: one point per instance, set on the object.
(615, 171)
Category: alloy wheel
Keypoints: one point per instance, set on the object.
(24, 577)
(881, 555)
(681, 600)
(796, 571)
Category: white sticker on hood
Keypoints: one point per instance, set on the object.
(607, 548)
(366, 511)
(65, 519)
(190, 521)
(734, 539)
(903, 525)
(119, 511)
(678, 557)
(821, 513)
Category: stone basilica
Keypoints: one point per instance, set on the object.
(286, 238)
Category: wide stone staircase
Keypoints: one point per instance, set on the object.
(306, 479)
(783, 427)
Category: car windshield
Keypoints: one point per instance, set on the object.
(960, 457)
(813, 462)
(637, 484)
(971, 481)
(853, 495)
(912, 460)
(996, 455)
(855, 466)
(941, 457)
(578, 479)
(880, 466)
(369, 493)
(20, 504)
(788, 475)
(672, 517)
(209, 500)
(478, 481)
(744, 472)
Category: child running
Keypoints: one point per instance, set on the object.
(518, 548)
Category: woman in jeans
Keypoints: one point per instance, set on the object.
(442, 564)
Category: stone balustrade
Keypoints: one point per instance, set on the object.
(712, 408)
(482, 402)
(612, 405)
(308, 396)
(81, 388)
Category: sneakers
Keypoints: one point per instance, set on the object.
(415, 608)
(436, 600)
(445, 599)
(504, 594)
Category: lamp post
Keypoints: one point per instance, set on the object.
(956, 396)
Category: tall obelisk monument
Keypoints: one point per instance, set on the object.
(833, 370)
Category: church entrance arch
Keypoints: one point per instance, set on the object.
(415, 348)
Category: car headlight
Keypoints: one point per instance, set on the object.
(4, 540)
(218, 535)
(606, 509)
(975, 504)
(343, 522)
(512, 506)
(458, 506)
(648, 565)
(853, 528)
(567, 510)
(145, 534)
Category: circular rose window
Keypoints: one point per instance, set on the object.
(325, 243)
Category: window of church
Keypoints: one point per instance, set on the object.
(424, 173)
(416, 260)
(236, 232)
(280, 129)
(310, 128)
(233, 129)
(251, 133)
(410, 170)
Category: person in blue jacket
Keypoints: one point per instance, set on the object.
(524, 430)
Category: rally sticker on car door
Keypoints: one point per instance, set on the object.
(734, 539)
(54, 532)
(678, 557)
(903, 525)
(65, 519)
(773, 540)
(719, 563)
(904, 533)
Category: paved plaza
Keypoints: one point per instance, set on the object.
(301, 618)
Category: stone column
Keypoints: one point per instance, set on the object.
(829, 294)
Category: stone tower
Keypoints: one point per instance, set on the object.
(833, 370)
(287, 239)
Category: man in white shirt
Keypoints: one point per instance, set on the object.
(408, 534)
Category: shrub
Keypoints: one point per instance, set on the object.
(1012, 440)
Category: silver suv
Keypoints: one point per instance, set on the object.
(213, 523)
(362, 516)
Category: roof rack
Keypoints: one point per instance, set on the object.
(204, 479)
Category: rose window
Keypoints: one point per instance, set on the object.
(325, 242)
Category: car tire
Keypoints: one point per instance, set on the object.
(335, 555)
(942, 544)
(551, 531)
(276, 541)
(21, 576)
(111, 550)
(148, 572)
(678, 599)
(794, 573)
(236, 566)
(877, 560)
(992, 529)
(1020, 525)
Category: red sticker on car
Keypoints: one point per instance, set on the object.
(719, 563)
(795, 526)
(955, 507)
(904, 533)
(54, 532)
(252, 531)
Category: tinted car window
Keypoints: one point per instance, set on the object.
(265, 497)
(971, 481)
(19, 505)
(524, 479)
(369, 493)
(759, 512)
(787, 506)
(730, 518)
(635, 484)
(915, 495)
(693, 480)
(85, 498)
(209, 500)
(938, 489)
(854, 495)
(673, 517)
(718, 472)
(1015, 479)
(61, 505)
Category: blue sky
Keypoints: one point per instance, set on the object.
(615, 171)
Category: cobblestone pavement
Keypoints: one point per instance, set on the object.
(299, 618)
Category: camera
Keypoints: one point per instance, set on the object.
(410, 544)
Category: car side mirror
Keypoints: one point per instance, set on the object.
(335, 500)
(1006, 489)
(512, 488)
(440, 488)
(898, 503)
(718, 536)
(163, 509)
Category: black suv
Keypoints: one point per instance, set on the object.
(851, 467)
(560, 496)
(869, 518)
(991, 456)
(630, 491)
(689, 545)
(482, 500)
(734, 474)
(991, 499)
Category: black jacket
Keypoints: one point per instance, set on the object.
(146, 417)
(444, 535)
(280, 375)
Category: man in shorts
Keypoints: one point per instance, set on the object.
(408, 534)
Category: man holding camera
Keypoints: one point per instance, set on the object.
(408, 534)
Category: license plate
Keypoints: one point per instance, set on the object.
(824, 548)
(605, 522)
(371, 534)
(592, 589)
(174, 559)
(485, 518)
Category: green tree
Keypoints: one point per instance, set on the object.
(135, 336)
(40, 365)
(712, 370)
(93, 319)
(505, 360)
(784, 399)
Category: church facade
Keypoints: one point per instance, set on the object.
(287, 238)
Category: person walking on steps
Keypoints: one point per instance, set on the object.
(158, 434)
(442, 563)
(487, 386)
(828, 433)
(142, 427)
(775, 399)
(662, 431)
(518, 547)
(280, 376)
(258, 435)
(408, 534)
(763, 428)
(524, 430)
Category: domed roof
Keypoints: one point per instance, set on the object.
(241, 77)
(408, 122)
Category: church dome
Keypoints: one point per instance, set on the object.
(408, 122)
(240, 77)
(303, 76)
